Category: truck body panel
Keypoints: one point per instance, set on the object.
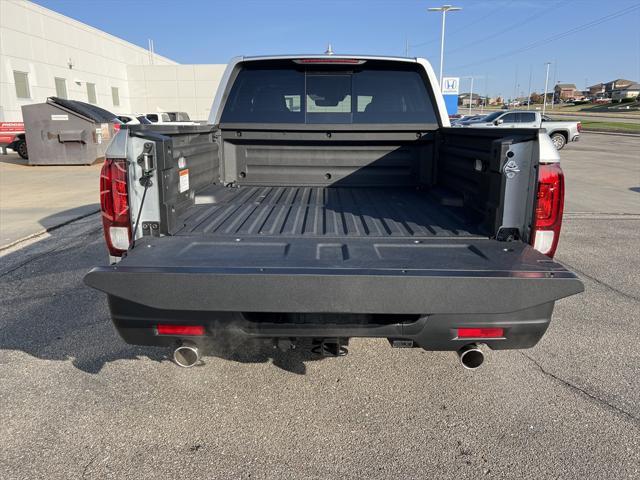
(310, 229)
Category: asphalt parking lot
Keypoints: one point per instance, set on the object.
(77, 402)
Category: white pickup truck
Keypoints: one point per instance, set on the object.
(561, 132)
(173, 118)
(329, 198)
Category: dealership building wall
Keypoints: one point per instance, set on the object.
(44, 53)
(182, 88)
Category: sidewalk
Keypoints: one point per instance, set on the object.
(34, 199)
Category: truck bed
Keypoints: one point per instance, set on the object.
(325, 212)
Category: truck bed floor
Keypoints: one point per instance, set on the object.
(324, 212)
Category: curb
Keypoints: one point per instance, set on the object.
(48, 229)
(611, 133)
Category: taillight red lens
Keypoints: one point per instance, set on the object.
(549, 207)
(579, 127)
(192, 330)
(114, 203)
(480, 332)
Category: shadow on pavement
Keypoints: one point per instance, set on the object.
(14, 159)
(62, 218)
(46, 310)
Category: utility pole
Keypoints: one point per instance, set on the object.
(444, 9)
(555, 78)
(470, 92)
(486, 92)
(471, 96)
(515, 87)
(546, 85)
(529, 97)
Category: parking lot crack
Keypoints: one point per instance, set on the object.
(635, 420)
(86, 467)
(600, 282)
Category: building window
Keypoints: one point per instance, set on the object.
(61, 87)
(21, 80)
(115, 96)
(91, 93)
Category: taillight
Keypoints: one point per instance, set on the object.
(579, 127)
(549, 206)
(114, 203)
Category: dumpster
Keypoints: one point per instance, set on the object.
(67, 132)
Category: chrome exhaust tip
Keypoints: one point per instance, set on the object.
(471, 356)
(186, 355)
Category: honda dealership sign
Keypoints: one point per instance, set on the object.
(450, 90)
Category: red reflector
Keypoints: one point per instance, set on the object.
(194, 330)
(480, 332)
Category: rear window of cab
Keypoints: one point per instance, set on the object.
(290, 94)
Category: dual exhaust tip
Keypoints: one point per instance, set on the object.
(471, 357)
(188, 354)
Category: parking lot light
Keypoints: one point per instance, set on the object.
(546, 85)
(444, 9)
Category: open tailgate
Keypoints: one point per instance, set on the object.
(356, 275)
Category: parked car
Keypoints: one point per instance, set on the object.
(133, 119)
(560, 132)
(469, 118)
(12, 136)
(301, 217)
(169, 117)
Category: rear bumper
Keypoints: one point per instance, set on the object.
(137, 324)
(575, 138)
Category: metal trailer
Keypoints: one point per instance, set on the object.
(67, 132)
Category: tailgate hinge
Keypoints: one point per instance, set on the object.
(150, 229)
(508, 234)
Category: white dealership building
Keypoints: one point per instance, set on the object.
(44, 54)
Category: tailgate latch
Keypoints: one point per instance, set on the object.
(145, 161)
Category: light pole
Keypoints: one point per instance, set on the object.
(546, 85)
(444, 9)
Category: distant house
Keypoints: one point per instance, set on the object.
(617, 84)
(596, 89)
(630, 91)
(565, 90)
(464, 99)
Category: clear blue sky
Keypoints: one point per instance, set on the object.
(486, 38)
